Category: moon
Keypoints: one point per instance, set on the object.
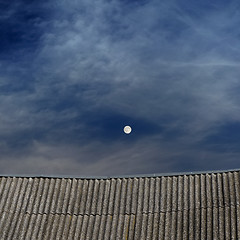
(127, 129)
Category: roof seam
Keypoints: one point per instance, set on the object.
(125, 214)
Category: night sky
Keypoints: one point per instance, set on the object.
(74, 73)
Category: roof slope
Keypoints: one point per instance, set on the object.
(190, 206)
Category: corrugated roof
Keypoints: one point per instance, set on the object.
(190, 206)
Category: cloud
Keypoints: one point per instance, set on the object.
(76, 72)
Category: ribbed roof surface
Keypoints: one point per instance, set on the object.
(194, 206)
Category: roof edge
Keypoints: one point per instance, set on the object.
(120, 176)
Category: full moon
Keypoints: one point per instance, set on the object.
(127, 129)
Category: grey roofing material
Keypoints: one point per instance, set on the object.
(190, 206)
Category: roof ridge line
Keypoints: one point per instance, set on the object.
(171, 174)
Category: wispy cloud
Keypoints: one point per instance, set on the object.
(75, 72)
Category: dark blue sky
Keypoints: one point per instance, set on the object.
(74, 73)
